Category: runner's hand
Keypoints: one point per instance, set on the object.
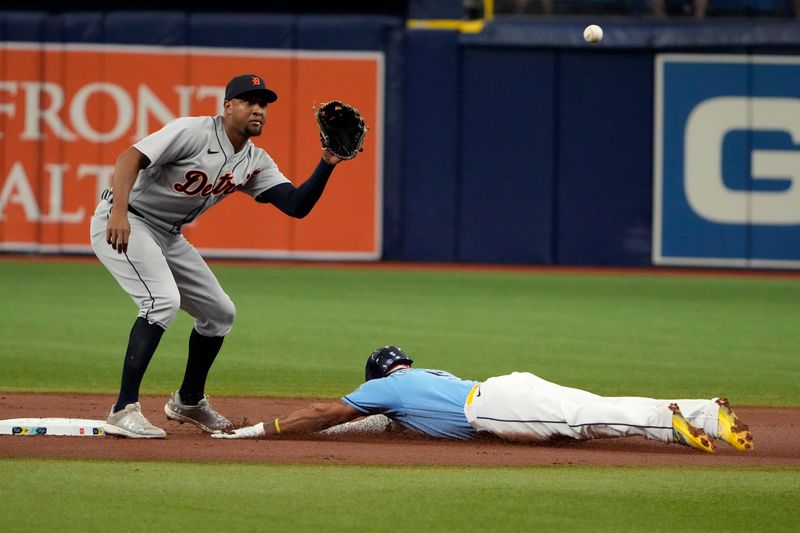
(249, 432)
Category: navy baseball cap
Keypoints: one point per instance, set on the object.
(249, 83)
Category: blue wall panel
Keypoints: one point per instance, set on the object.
(25, 26)
(366, 32)
(605, 158)
(431, 146)
(393, 119)
(242, 30)
(82, 27)
(163, 28)
(507, 155)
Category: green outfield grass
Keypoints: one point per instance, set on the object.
(307, 331)
(133, 496)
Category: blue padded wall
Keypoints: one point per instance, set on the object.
(164, 28)
(343, 32)
(82, 27)
(605, 166)
(242, 30)
(25, 26)
(505, 210)
(431, 143)
(393, 120)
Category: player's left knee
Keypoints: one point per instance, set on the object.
(222, 319)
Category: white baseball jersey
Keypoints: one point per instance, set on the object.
(192, 167)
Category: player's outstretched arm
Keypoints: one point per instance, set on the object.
(314, 418)
(297, 202)
(129, 163)
(310, 419)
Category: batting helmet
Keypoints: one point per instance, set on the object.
(383, 359)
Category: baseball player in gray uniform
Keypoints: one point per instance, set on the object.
(160, 183)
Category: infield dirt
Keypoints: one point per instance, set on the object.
(776, 432)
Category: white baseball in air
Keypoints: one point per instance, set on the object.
(593, 34)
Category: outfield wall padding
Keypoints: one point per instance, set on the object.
(518, 144)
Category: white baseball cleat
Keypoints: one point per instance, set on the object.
(131, 423)
(201, 415)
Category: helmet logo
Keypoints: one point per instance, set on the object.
(384, 359)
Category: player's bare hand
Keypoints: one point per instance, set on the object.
(330, 158)
(118, 231)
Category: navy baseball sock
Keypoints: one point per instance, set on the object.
(142, 345)
(202, 352)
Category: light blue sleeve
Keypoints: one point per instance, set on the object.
(374, 397)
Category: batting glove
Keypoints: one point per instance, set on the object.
(249, 432)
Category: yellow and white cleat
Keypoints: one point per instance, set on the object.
(688, 435)
(731, 429)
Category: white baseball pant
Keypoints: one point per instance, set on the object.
(522, 406)
(163, 272)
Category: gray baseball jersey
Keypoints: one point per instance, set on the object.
(192, 167)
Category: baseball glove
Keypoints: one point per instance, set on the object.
(341, 129)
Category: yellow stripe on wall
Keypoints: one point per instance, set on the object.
(464, 26)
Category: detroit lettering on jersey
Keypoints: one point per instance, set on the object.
(197, 183)
(192, 167)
